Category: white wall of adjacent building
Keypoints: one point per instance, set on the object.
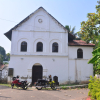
(79, 69)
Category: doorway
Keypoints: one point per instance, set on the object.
(37, 71)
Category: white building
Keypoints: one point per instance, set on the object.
(3, 73)
(41, 46)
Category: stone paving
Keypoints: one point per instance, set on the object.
(34, 94)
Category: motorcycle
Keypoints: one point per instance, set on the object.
(43, 83)
(22, 84)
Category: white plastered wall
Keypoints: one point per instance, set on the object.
(79, 69)
(54, 65)
(47, 32)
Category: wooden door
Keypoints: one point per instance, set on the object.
(36, 73)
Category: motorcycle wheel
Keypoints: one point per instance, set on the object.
(12, 85)
(53, 86)
(38, 84)
(24, 88)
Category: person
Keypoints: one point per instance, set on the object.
(17, 78)
(50, 78)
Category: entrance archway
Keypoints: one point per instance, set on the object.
(37, 72)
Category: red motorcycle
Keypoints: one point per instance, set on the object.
(22, 84)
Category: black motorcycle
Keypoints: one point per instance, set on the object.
(43, 83)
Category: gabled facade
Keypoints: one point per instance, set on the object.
(41, 46)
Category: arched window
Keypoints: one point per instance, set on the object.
(55, 47)
(79, 53)
(24, 46)
(39, 47)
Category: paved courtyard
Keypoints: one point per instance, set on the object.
(33, 94)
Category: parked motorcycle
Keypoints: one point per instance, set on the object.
(17, 83)
(43, 83)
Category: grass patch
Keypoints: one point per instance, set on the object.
(67, 85)
(63, 87)
(46, 88)
(9, 85)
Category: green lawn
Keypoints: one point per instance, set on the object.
(61, 86)
(9, 85)
(67, 85)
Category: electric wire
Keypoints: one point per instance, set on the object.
(8, 20)
(18, 22)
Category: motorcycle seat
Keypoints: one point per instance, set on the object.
(42, 80)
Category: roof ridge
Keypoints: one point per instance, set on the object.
(25, 19)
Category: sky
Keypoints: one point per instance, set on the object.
(67, 12)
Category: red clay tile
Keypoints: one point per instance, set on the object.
(79, 43)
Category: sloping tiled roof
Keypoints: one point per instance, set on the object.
(79, 43)
(3, 66)
(9, 33)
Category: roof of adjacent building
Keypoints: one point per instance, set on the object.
(9, 33)
(79, 43)
(3, 66)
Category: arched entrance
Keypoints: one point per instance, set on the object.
(37, 72)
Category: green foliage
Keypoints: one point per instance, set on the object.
(9, 85)
(94, 87)
(63, 87)
(96, 66)
(70, 30)
(90, 29)
(2, 54)
(1, 59)
(2, 51)
(67, 27)
(5, 63)
(7, 56)
(95, 60)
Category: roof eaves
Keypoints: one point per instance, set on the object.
(82, 45)
(24, 20)
(10, 31)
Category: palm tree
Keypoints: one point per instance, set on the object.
(70, 30)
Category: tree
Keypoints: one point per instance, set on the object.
(90, 31)
(70, 30)
(8, 56)
(1, 59)
(2, 54)
(96, 60)
(2, 51)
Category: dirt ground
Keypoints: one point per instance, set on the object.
(34, 94)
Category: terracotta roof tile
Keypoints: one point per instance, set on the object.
(79, 43)
(1, 67)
